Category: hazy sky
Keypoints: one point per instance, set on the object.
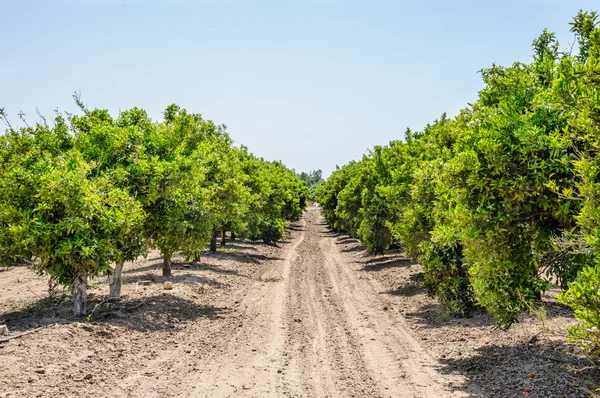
(312, 83)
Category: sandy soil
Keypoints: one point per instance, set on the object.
(314, 317)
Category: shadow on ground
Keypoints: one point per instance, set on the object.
(216, 270)
(388, 263)
(556, 368)
(437, 315)
(344, 240)
(559, 368)
(246, 246)
(357, 248)
(330, 234)
(408, 290)
(430, 316)
(296, 228)
(159, 311)
(246, 257)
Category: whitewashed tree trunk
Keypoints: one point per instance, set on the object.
(80, 295)
(114, 280)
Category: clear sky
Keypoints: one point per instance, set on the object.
(311, 83)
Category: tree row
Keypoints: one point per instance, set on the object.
(90, 192)
(502, 201)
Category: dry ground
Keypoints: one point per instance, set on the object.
(314, 317)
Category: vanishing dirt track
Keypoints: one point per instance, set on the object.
(311, 326)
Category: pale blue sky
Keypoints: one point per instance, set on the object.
(312, 83)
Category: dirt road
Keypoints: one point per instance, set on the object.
(301, 322)
(309, 327)
(314, 317)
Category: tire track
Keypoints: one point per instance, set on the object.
(311, 326)
(251, 361)
(340, 336)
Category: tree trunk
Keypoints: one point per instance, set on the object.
(52, 287)
(80, 295)
(232, 236)
(166, 265)
(213, 241)
(223, 237)
(114, 281)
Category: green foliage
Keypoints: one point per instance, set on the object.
(267, 230)
(483, 198)
(79, 223)
(447, 277)
(577, 95)
(312, 179)
(583, 296)
(25, 155)
(93, 190)
(276, 195)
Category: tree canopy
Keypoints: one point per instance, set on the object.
(501, 201)
(82, 196)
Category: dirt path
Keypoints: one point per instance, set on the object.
(301, 322)
(309, 327)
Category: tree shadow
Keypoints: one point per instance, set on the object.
(192, 265)
(237, 244)
(374, 259)
(248, 258)
(192, 279)
(554, 308)
(330, 234)
(433, 316)
(387, 254)
(212, 268)
(162, 311)
(358, 248)
(296, 228)
(558, 370)
(187, 278)
(250, 242)
(390, 263)
(150, 267)
(345, 240)
(407, 290)
(240, 247)
(181, 262)
(417, 277)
